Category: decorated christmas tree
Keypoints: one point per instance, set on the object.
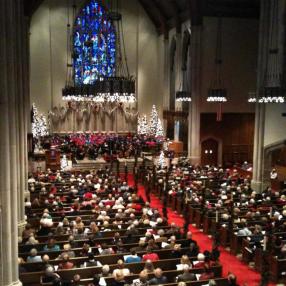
(142, 127)
(160, 130)
(39, 123)
(162, 161)
(153, 124)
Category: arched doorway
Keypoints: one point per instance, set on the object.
(209, 152)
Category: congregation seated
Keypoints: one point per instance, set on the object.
(71, 237)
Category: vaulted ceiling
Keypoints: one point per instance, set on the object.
(168, 14)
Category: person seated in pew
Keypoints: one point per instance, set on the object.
(133, 257)
(212, 282)
(97, 281)
(120, 248)
(142, 280)
(149, 266)
(231, 280)
(51, 245)
(257, 237)
(33, 257)
(141, 247)
(200, 261)
(27, 232)
(46, 261)
(176, 251)
(119, 279)
(50, 276)
(244, 231)
(94, 232)
(151, 244)
(193, 250)
(150, 255)
(91, 261)
(187, 275)
(207, 274)
(189, 239)
(159, 278)
(32, 240)
(21, 265)
(105, 250)
(174, 230)
(66, 264)
(121, 267)
(76, 280)
(79, 234)
(185, 260)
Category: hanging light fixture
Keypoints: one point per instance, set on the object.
(273, 91)
(252, 97)
(119, 87)
(184, 95)
(216, 92)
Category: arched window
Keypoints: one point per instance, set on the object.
(94, 44)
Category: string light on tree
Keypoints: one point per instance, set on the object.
(160, 130)
(153, 121)
(142, 127)
(39, 123)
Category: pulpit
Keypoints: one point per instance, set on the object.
(53, 159)
(176, 147)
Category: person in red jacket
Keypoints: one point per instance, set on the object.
(152, 256)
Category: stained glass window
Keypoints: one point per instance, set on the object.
(94, 42)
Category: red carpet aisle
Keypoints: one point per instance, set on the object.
(245, 275)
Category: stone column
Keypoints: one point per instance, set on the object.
(12, 153)
(258, 149)
(194, 148)
(166, 79)
(178, 81)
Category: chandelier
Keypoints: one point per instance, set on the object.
(216, 92)
(183, 96)
(273, 90)
(109, 89)
(117, 88)
(252, 97)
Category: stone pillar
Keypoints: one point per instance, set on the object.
(258, 150)
(166, 79)
(12, 128)
(178, 81)
(194, 148)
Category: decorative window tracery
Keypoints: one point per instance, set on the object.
(94, 44)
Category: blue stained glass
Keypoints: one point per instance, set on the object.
(94, 41)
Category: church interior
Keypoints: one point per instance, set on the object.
(143, 142)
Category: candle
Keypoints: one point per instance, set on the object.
(270, 213)
(216, 216)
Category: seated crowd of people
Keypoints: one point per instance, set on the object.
(95, 221)
(226, 197)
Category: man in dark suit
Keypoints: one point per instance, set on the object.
(186, 276)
